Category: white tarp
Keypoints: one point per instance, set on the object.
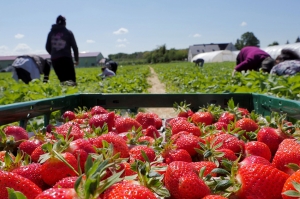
(274, 51)
(217, 56)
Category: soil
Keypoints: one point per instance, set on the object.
(158, 87)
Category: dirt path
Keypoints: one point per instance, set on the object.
(158, 87)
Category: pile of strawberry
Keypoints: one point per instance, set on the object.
(212, 153)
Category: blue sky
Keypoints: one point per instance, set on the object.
(128, 26)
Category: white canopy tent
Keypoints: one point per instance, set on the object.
(274, 51)
(217, 56)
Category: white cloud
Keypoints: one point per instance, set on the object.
(196, 35)
(22, 49)
(121, 31)
(121, 46)
(243, 24)
(19, 36)
(90, 41)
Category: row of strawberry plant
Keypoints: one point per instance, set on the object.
(217, 78)
(130, 79)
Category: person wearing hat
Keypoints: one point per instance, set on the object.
(59, 43)
(112, 65)
(106, 72)
(251, 58)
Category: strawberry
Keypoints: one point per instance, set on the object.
(214, 197)
(97, 110)
(244, 111)
(67, 182)
(229, 142)
(55, 193)
(220, 125)
(246, 124)
(187, 141)
(183, 182)
(135, 153)
(119, 144)
(288, 152)
(176, 155)
(290, 190)
(37, 152)
(76, 131)
(171, 121)
(28, 146)
(228, 154)
(17, 132)
(255, 159)
(209, 166)
(18, 183)
(128, 190)
(183, 109)
(183, 125)
(68, 116)
(256, 182)
(158, 120)
(258, 149)
(125, 124)
(272, 137)
(145, 119)
(146, 139)
(99, 120)
(205, 118)
(227, 117)
(152, 132)
(32, 172)
(53, 169)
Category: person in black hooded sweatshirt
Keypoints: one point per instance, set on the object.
(59, 43)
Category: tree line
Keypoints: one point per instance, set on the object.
(162, 55)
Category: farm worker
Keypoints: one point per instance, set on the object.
(106, 72)
(29, 67)
(60, 40)
(199, 62)
(287, 63)
(112, 65)
(251, 58)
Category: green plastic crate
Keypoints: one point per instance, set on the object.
(262, 104)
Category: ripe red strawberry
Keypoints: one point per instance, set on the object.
(187, 141)
(258, 149)
(135, 153)
(183, 182)
(67, 182)
(158, 120)
(37, 152)
(271, 137)
(220, 125)
(81, 147)
(119, 144)
(55, 193)
(256, 181)
(97, 110)
(182, 125)
(246, 124)
(68, 116)
(17, 132)
(227, 117)
(53, 169)
(127, 169)
(128, 190)
(254, 159)
(171, 121)
(152, 132)
(289, 186)
(288, 152)
(76, 131)
(230, 142)
(209, 166)
(228, 154)
(99, 120)
(145, 119)
(214, 197)
(176, 155)
(244, 111)
(147, 139)
(205, 118)
(125, 124)
(18, 183)
(32, 172)
(28, 146)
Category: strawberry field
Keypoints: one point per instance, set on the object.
(214, 151)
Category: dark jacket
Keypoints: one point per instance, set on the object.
(60, 41)
(250, 58)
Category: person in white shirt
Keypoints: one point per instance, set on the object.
(106, 72)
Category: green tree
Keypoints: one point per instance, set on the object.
(247, 39)
(275, 43)
(287, 42)
(297, 40)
